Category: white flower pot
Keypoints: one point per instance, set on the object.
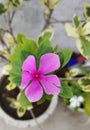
(30, 123)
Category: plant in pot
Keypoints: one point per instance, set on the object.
(30, 86)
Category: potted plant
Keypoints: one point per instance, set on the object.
(30, 80)
(30, 84)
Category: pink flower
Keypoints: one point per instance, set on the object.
(35, 82)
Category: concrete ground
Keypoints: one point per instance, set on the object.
(29, 21)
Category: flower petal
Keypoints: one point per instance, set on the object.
(51, 84)
(49, 62)
(26, 77)
(34, 91)
(29, 64)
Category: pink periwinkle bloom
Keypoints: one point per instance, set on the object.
(36, 82)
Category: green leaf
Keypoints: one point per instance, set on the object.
(76, 21)
(66, 91)
(14, 104)
(10, 86)
(85, 81)
(84, 70)
(2, 9)
(84, 47)
(46, 35)
(16, 3)
(20, 38)
(16, 61)
(85, 84)
(44, 98)
(87, 11)
(25, 48)
(44, 47)
(87, 104)
(29, 45)
(24, 102)
(75, 88)
(73, 72)
(21, 111)
(65, 56)
(51, 4)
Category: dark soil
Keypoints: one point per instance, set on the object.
(5, 104)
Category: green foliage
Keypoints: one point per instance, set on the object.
(85, 81)
(9, 4)
(66, 91)
(44, 47)
(76, 21)
(73, 72)
(10, 86)
(2, 8)
(24, 102)
(16, 3)
(25, 48)
(87, 103)
(75, 88)
(87, 11)
(16, 61)
(9, 40)
(85, 47)
(44, 98)
(85, 84)
(29, 45)
(84, 70)
(21, 111)
(46, 35)
(21, 104)
(20, 54)
(50, 4)
(20, 38)
(65, 56)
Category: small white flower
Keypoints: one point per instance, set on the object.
(76, 101)
(80, 99)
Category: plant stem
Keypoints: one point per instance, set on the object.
(61, 21)
(3, 42)
(4, 58)
(47, 21)
(32, 114)
(10, 19)
(69, 79)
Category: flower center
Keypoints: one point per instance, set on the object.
(36, 75)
